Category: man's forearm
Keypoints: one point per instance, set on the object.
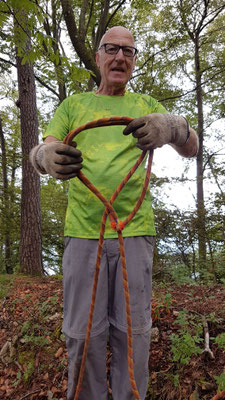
(190, 148)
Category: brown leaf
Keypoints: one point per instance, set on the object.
(54, 390)
(45, 377)
(64, 385)
(59, 352)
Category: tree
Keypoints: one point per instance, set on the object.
(204, 13)
(8, 265)
(53, 210)
(184, 49)
(30, 227)
(10, 159)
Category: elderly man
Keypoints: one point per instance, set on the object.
(107, 156)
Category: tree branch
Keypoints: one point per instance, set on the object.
(79, 44)
(89, 18)
(156, 53)
(220, 9)
(204, 15)
(8, 62)
(13, 13)
(36, 77)
(213, 172)
(206, 331)
(102, 23)
(46, 86)
(209, 158)
(29, 394)
(194, 89)
(114, 12)
(82, 29)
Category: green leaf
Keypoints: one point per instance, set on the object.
(220, 380)
(220, 340)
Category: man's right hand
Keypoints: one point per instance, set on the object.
(59, 160)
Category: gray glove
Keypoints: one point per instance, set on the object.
(59, 160)
(155, 130)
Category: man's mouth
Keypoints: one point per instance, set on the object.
(118, 69)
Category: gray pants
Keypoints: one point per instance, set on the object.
(109, 316)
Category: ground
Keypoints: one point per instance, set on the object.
(33, 357)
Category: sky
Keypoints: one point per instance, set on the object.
(168, 163)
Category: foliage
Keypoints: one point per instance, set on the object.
(161, 306)
(220, 340)
(180, 275)
(6, 281)
(185, 344)
(220, 380)
(10, 159)
(53, 208)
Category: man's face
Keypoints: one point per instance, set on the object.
(116, 70)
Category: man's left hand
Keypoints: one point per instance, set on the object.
(155, 130)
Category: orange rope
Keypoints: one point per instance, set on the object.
(118, 226)
(219, 396)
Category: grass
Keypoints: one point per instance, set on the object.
(6, 282)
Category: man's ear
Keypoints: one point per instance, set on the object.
(133, 66)
(134, 62)
(97, 59)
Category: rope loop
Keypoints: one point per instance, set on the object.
(118, 226)
(95, 124)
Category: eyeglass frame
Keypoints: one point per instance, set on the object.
(119, 47)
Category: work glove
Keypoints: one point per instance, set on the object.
(155, 130)
(59, 160)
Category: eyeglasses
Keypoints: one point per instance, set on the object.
(111, 48)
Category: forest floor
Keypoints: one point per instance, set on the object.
(33, 356)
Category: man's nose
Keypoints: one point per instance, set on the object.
(120, 55)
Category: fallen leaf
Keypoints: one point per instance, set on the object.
(59, 352)
(45, 377)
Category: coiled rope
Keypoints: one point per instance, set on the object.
(118, 226)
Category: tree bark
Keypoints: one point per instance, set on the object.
(213, 265)
(30, 227)
(201, 227)
(194, 34)
(6, 228)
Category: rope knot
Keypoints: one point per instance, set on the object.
(117, 225)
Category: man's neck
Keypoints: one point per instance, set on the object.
(111, 91)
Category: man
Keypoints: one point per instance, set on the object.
(106, 157)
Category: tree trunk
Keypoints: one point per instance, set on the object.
(206, 14)
(200, 191)
(30, 227)
(193, 262)
(7, 259)
(213, 265)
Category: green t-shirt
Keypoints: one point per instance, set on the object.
(107, 157)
